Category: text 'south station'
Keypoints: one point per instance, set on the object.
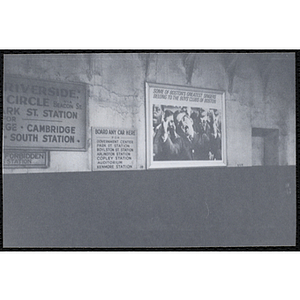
(44, 114)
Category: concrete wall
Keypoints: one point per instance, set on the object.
(260, 92)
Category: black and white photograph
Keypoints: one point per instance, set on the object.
(149, 149)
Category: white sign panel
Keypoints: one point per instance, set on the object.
(114, 149)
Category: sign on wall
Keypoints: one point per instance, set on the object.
(44, 114)
(25, 158)
(185, 126)
(114, 149)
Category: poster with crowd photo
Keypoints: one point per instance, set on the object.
(185, 126)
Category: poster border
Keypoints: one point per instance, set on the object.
(150, 164)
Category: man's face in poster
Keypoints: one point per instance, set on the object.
(185, 125)
(157, 115)
(169, 118)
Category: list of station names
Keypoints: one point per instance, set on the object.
(44, 114)
(114, 149)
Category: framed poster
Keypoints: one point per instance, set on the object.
(185, 126)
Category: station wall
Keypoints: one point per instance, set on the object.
(259, 93)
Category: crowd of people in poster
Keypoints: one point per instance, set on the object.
(186, 133)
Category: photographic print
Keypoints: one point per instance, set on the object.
(149, 149)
